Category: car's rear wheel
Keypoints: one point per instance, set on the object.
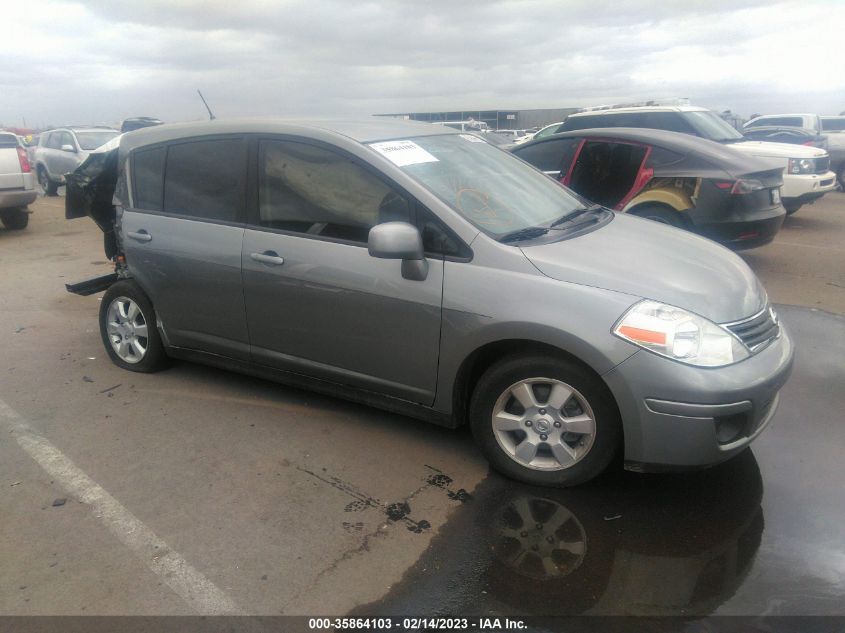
(545, 421)
(15, 219)
(128, 329)
(660, 213)
(48, 186)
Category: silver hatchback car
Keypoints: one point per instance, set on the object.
(419, 269)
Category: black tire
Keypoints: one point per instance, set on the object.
(841, 177)
(510, 370)
(155, 357)
(15, 219)
(660, 213)
(49, 187)
(791, 207)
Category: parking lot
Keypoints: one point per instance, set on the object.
(200, 491)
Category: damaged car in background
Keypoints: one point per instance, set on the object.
(420, 269)
(62, 150)
(677, 179)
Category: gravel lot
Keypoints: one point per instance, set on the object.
(197, 490)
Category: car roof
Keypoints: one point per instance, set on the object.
(364, 130)
(719, 155)
(677, 108)
(82, 128)
(767, 116)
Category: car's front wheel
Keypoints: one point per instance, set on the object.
(128, 329)
(14, 219)
(545, 421)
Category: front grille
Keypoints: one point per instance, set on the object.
(758, 330)
(823, 165)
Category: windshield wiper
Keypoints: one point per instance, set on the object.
(523, 234)
(576, 213)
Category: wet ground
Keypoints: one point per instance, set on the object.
(761, 534)
(287, 502)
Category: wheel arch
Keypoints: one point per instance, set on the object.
(485, 356)
(669, 197)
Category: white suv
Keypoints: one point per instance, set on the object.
(806, 170)
(62, 150)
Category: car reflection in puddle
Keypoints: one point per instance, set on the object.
(628, 543)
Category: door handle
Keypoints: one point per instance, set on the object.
(268, 257)
(141, 236)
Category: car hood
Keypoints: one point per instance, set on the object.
(654, 261)
(766, 149)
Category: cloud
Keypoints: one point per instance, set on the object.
(102, 61)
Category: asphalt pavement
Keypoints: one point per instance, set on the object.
(196, 490)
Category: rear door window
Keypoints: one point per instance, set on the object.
(205, 179)
(316, 191)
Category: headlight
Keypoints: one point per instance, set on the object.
(802, 165)
(679, 335)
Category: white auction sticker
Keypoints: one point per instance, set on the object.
(472, 139)
(403, 153)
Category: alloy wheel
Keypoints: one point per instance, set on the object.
(126, 328)
(544, 424)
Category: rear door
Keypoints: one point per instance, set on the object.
(182, 239)
(608, 171)
(64, 160)
(317, 302)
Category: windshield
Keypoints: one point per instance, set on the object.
(711, 126)
(92, 140)
(492, 189)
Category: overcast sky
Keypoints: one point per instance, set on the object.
(65, 62)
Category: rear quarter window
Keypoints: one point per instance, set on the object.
(548, 156)
(205, 179)
(148, 178)
(789, 121)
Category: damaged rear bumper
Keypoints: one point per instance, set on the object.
(93, 285)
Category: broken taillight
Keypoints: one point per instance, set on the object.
(24, 160)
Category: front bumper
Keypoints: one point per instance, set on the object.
(807, 186)
(679, 416)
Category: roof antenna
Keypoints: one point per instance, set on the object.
(211, 116)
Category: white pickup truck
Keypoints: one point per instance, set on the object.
(17, 184)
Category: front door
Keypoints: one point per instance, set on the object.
(316, 302)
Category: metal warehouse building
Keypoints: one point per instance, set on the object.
(495, 119)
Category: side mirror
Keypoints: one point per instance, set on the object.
(68, 148)
(399, 240)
